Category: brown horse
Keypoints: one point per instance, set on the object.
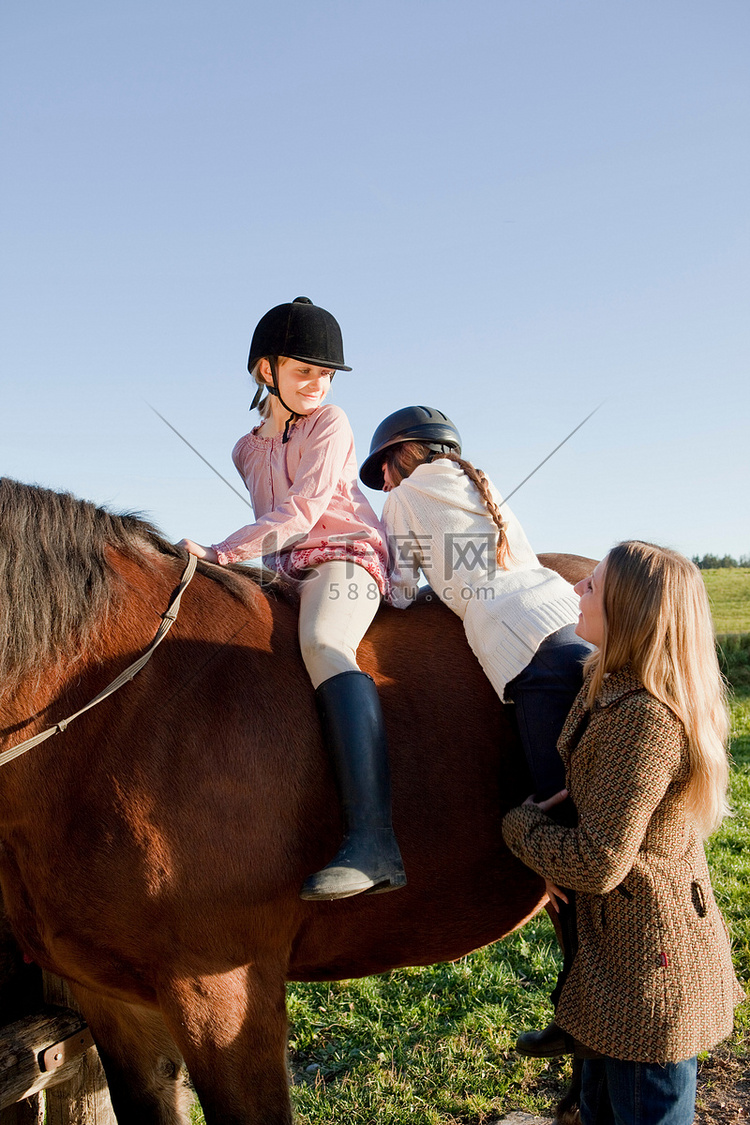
(152, 853)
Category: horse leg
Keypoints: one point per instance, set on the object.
(144, 1069)
(232, 1031)
(566, 1110)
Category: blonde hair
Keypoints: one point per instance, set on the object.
(264, 406)
(657, 619)
(403, 459)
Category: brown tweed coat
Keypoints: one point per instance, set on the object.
(652, 980)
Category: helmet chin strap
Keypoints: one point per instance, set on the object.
(274, 390)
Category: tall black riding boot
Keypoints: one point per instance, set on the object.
(369, 858)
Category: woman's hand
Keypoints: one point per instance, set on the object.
(554, 894)
(208, 554)
(549, 803)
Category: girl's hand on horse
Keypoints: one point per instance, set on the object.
(555, 895)
(208, 554)
(545, 806)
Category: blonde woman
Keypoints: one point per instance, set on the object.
(644, 748)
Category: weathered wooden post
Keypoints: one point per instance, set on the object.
(45, 1045)
(20, 989)
(82, 1099)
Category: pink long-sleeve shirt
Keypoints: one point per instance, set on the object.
(308, 506)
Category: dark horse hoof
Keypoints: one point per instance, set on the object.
(567, 1111)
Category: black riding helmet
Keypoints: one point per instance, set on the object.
(299, 330)
(411, 423)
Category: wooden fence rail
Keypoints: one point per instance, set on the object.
(49, 1069)
(40, 1050)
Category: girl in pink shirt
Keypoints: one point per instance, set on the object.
(313, 524)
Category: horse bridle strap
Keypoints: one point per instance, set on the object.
(168, 619)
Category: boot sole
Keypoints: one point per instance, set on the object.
(370, 887)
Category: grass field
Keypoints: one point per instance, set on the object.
(435, 1046)
(729, 595)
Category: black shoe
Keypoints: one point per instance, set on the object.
(551, 1043)
(546, 1044)
(369, 859)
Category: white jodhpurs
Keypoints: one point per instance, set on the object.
(338, 601)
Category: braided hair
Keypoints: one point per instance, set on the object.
(402, 460)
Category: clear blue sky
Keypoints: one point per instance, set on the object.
(517, 209)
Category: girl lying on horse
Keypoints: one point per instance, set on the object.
(445, 518)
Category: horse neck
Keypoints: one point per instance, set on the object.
(141, 590)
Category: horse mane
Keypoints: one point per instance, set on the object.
(57, 580)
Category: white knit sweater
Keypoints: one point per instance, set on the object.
(436, 522)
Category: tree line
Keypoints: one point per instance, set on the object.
(713, 562)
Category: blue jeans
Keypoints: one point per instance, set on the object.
(614, 1092)
(543, 693)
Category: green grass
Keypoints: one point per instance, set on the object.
(729, 849)
(729, 595)
(424, 1045)
(734, 657)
